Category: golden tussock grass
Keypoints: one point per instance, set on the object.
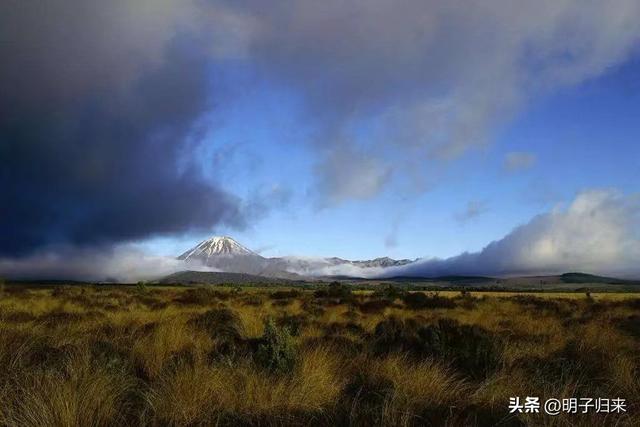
(107, 356)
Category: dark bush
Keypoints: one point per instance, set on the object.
(466, 300)
(141, 287)
(374, 305)
(633, 303)
(389, 292)
(43, 355)
(226, 329)
(58, 317)
(151, 302)
(18, 317)
(630, 325)
(293, 293)
(253, 300)
(342, 345)
(366, 395)
(571, 361)
(338, 328)
(334, 290)
(555, 307)
(220, 323)
(471, 349)
(282, 302)
(105, 354)
(200, 296)
(394, 334)
(313, 308)
(294, 323)
(61, 291)
(180, 359)
(419, 301)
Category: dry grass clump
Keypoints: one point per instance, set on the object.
(146, 355)
(170, 342)
(75, 393)
(204, 394)
(419, 390)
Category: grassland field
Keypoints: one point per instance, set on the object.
(100, 355)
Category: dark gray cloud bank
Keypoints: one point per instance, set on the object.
(99, 103)
(102, 102)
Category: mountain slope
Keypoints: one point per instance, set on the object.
(216, 246)
(226, 254)
(591, 278)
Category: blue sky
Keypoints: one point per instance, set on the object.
(406, 128)
(581, 137)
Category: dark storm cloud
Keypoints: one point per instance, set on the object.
(99, 103)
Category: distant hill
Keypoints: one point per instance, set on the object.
(591, 278)
(448, 279)
(219, 278)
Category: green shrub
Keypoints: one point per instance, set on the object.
(375, 305)
(276, 352)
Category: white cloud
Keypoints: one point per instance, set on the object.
(599, 232)
(120, 264)
(432, 78)
(347, 173)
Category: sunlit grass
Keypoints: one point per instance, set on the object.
(101, 356)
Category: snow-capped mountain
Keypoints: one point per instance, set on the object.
(216, 246)
(226, 254)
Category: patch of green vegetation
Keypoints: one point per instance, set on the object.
(277, 351)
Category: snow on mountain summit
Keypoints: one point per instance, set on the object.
(216, 246)
(225, 254)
